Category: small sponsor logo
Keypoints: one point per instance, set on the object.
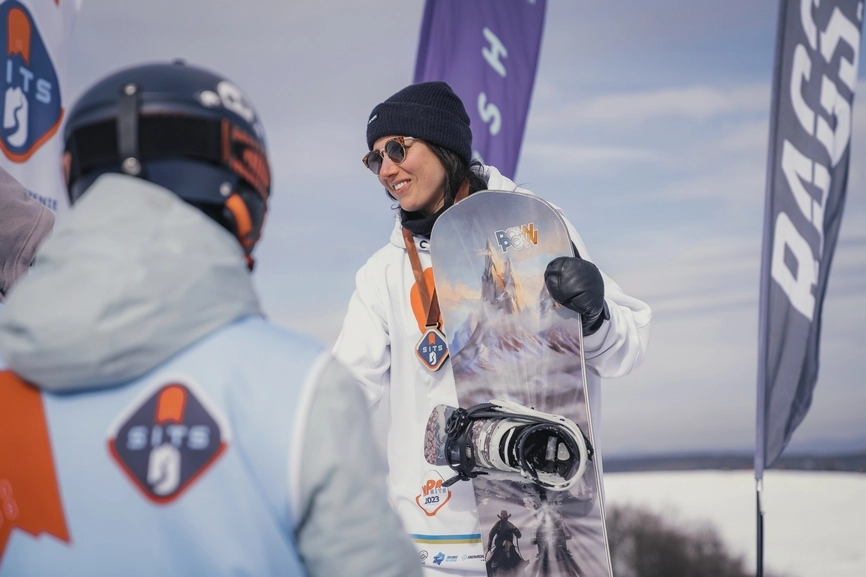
(423, 555)
(451, 559)
(438, 558)
(433, 495)
(372, 118)
(167, 438)
(517, 237)
(230, 97)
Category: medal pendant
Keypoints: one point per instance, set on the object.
(432, 349)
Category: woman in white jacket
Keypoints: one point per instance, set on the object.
(420, 149)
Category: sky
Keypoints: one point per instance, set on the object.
(648, 126)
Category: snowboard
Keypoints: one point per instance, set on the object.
(508, 339)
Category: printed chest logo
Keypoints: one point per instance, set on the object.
(29, 86)
(433, 495)
(167, 439)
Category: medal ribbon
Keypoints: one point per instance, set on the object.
(429, 302)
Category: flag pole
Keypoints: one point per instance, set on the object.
(759, 490)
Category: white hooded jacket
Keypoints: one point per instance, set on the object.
(377, 342)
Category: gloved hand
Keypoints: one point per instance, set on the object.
(577, 284)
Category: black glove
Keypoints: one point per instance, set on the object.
(577, 284)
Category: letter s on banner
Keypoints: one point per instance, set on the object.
(487, 51)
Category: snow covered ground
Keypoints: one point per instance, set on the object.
(814, 522)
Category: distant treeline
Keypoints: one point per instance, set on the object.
(850, 463)
(647, 543)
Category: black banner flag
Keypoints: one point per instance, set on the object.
(815, 77)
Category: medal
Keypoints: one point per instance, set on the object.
(432, 349)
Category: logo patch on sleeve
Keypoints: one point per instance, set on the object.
(168, 438)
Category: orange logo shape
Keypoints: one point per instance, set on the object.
(19, 34)
(433, 495)
(170, 405)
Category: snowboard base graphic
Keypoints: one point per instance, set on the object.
(509, 340)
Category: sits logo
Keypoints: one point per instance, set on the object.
(438, 558)
(167, 438)
(517, 237)
(29, 87)
(433, 495)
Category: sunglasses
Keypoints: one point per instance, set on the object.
(394, 148)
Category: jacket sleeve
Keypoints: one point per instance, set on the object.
(620, 345)
(346, 526)
(364, 344)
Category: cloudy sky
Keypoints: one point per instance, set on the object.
(648, 126)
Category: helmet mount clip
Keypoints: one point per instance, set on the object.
(127, 129)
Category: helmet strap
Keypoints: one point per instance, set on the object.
(127, 130)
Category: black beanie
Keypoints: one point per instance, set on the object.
(427, 110)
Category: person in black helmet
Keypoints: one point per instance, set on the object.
(151, 422)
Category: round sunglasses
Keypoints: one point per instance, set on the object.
(394, 148)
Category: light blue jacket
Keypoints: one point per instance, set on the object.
(188, 435)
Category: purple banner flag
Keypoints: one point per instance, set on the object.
(815, 75)
(487, 50)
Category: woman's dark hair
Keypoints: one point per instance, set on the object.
(456, 172)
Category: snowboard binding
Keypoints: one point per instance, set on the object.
(504, 439)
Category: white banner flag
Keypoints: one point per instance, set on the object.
(34, 43)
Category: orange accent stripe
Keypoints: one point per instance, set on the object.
(242, 217)
(29, 495)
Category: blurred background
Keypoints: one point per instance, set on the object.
(648, 126)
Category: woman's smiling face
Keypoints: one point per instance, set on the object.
(418, 183)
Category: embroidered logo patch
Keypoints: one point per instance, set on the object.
(29, 88)
(168, 438)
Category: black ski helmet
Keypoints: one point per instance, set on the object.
(181, 127)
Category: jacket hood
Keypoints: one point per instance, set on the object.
(133, 276)
(25, 223)
(495, 181)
